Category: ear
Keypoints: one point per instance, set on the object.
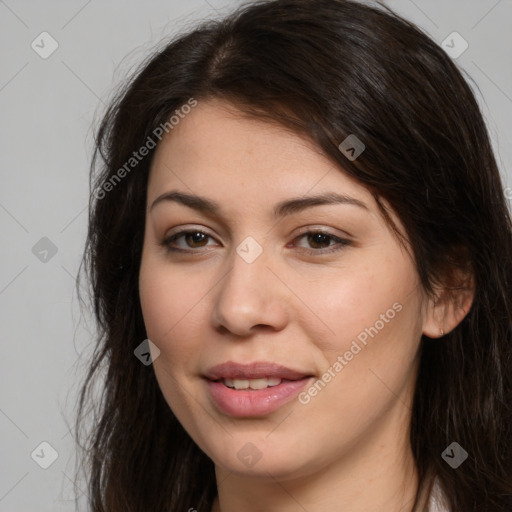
(449, 305)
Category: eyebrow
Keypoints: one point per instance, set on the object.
(282, 209)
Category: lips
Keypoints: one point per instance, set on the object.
(257, 370)
(256, 389)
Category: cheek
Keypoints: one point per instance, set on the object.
(369, 312)
(170, 300)
(369, 354)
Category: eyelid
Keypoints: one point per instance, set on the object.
(185, 228)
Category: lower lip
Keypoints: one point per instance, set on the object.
(254, 402)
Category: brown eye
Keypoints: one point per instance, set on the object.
(193, 240)
(321, 239)
(322, 242)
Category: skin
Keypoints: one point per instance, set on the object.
(347, 448)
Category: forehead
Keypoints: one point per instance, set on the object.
(217, 148)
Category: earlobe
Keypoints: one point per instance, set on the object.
(434, 318)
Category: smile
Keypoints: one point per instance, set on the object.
(252, 383)
(252, 390)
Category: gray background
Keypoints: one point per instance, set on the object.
(49, 108)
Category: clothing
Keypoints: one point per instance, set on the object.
(437, 502)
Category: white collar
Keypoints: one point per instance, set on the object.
(437, 501)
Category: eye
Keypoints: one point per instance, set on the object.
(321, 242)
(193, 238)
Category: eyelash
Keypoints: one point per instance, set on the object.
(340, 242)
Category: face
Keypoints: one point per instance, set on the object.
(312, 304)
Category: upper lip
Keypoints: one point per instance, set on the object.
(256, 370)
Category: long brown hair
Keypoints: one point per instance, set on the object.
(326, 69)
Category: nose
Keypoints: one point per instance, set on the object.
(250, 296)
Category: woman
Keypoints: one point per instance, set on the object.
(301, 261)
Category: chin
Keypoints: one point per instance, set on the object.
(256, 457)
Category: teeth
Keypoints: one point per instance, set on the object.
(251, 383)
(240, 384)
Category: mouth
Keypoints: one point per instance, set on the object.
(263, 383)
(255, 389)
(256, 371)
